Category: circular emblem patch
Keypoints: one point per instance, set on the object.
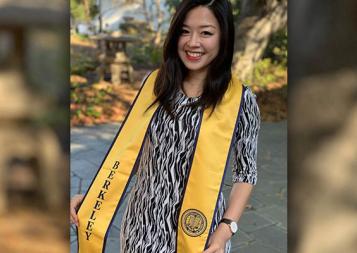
(193, 222)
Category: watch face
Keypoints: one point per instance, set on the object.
(234, 227)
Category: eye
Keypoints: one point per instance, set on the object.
(184, 31)
(207, 33)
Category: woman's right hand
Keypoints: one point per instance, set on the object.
(75, 202)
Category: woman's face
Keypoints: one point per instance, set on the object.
(198, 43)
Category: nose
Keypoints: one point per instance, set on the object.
(194, 40)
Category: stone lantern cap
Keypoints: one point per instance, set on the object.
(33, 13)
(17, 102)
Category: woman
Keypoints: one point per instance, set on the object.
(194, 76)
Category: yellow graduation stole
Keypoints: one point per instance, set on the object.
(213, 145)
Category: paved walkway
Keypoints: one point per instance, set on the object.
(263, 226)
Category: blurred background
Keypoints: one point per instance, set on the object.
(115, 43)
(322, 126)
(34, 126)
(34, 97)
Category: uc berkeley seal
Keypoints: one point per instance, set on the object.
(193, 222)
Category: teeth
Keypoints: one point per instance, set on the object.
(194, 54)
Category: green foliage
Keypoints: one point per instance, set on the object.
(77, 10)
(81, 64)
(145, 56)
(87, 101)
(99, 97)
(172, 4)
(94, 9)
(75, 85)
(273, 67)
(88, 95)
(137, 28)
(277, 48)
(75, 98)
(83, 36)
(266, 72)
(78, 112)
(92, 112)
(236, 5)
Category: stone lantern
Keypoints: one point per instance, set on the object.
(113, 59)
(31, 158)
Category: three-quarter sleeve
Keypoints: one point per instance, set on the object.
(246, 140)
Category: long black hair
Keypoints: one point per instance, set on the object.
(172, 71)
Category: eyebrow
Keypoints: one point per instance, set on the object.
(202, 26)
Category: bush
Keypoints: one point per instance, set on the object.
(93, 111)
(145, 56)
(81, 64)
(277, 48)
(266, 72)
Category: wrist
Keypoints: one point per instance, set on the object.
(231, 224)
(225, 231)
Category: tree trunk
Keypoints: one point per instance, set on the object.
(259, 20)
(148, 16)
(151, 12)
(100, 17)
(86, 4)
(157, 38)
(322, 126)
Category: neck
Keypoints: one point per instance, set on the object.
(194, 82)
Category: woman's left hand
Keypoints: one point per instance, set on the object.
(218, 239)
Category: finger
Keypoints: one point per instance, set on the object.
(72, 212)
(74, 217)
(73, 221)
(210, 250)
(71, 217)
(76, 220)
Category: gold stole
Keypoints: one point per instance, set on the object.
(213, 145)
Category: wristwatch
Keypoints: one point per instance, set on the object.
(232, 225)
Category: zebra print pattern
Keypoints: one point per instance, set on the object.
(245, 150)
(150, 219)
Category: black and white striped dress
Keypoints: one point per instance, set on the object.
(150, 219)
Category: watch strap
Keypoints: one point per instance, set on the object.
(228, 222)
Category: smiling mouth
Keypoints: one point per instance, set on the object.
(194, 54)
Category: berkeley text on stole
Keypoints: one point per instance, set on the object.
(100, 199)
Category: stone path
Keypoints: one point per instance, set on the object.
(263, 226)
